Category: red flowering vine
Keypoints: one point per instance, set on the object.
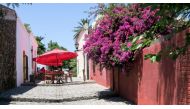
(116, 37)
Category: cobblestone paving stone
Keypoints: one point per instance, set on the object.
(111, 101)
(64, 94)
(54, 92)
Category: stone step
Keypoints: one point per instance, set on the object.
(100, 95)
(110, 101)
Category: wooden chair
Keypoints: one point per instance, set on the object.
(68, 75)
(47, 77)
(58, 76)
(61, 77)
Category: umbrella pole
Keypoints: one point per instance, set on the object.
(57, 60)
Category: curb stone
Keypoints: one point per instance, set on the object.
(98, 95)
(65, 84)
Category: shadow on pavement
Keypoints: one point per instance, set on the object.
(109, 95)
(6, 96)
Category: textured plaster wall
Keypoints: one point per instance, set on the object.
(7, 54)
(164, 82)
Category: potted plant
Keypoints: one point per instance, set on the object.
(32, 78)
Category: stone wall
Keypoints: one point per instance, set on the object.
(7, 54)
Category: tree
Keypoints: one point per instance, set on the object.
(68, 64)
(28, 28)
(13, 5)
(82, 25)
(102, 9)
(109, 43)
(71, 65)
(52, 45)
(16, 5)
(10, 5)
(125, 30)
(174, 18)
(41, 46)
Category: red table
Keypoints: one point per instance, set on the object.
(53, 74)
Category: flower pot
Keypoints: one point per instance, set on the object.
(32, 79)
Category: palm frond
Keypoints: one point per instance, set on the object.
(80, 27)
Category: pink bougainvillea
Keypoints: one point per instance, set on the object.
(109, 42)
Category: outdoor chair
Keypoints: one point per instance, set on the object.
(68, 75)
(59, 77)
(48, 78)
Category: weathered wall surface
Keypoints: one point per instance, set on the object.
(7, 54)
(100, 75)
(14, 40)
(164, 82)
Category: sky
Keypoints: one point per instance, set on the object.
(54, 22)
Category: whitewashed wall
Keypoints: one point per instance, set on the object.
(82, 58)
(81, 65)
(24, 42)
(34, 45)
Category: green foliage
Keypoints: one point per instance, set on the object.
(16, 5)
(171, 52)
(81, 27)
(139, 42)
(28, 28)
(74, 70)
(52, 45)
(180, 50)
(153, 57)
(13, 5)
(68, 64)
(124, 47)
(96, 10)
(41, 46)
(136, 47)
(71, 65)
(174, 17)
(102, 9)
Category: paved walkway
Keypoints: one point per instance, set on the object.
(80, 93)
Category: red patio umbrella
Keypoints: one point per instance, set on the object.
(55, 57)
(52, 64)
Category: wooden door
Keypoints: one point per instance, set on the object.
(25, 67)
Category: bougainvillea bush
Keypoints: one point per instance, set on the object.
(118, 34)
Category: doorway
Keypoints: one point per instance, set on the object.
(25, 67)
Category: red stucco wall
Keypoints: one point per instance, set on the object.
(164, 82)
(101, 75)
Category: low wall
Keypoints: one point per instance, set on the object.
(164, 82)
(100, 75)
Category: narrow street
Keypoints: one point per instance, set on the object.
(75, 93)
